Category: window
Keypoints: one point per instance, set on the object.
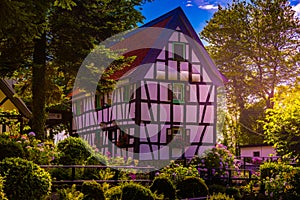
(99, 101)
(176, 92)
(126, 93)
(103, 100)
(79, 107)
(123, 139)
(171, 132)
(181, 137)
(256, 154)
(178, 51)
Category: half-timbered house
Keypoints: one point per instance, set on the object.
(165, 103)
(9, 102)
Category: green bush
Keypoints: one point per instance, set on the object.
(92, 191)
(163, 185)
(134, 191)
(2, 194)
(192, 187)
(280, 180)
(95, 159)
(24, 179)
(233, 192)
(220, 196)
(9, 148)
(271, 169)
(177, 172)
(70, 194)
(215, 161)
(216, 189)
(73, 151)
(114, 193)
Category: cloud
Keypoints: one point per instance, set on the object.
(189, 4)
(296, 8)
(208, 7)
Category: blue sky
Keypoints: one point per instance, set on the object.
(197, 11)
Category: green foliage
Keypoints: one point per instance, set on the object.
(192, 187)
(134, 191)
(114, 193)
(220, 196)
(216, 189)
(27, 146)
(279, 180)
(73, 151)
(70, 194)
(282, 123)
(272, 169)
(74, 28)
(92, 191)
(163, 186)
(10, 148)
(177, 172)
(95, 159)
(24, 179)
(233, 192)
(253, 45)
(2, 194)
(217, 159)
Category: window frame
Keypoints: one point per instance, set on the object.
(256, 154)
(182, 92)
(175, 55)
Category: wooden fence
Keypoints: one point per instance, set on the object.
(149, 171)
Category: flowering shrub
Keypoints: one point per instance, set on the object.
(9, 148)
(217, 159)
(27, 146)
(280, 181)
(176, 172)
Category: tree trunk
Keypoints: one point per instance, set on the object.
(38, 86)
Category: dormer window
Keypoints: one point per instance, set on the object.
(178, 51)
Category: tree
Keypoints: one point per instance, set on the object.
(282, 124)
(256, 45)
(59, 34)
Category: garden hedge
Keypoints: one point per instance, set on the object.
(24, 179)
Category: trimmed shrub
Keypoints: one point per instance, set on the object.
(70, 194)
(163, 185)
(9, 149)
(134, 191)
(24, 179)
(220, 196)
(216, 189)
(233, 192)
(2, 194)
(192, 187)
(95, 159)
(114, 193)
(73, 151)
(92, 191)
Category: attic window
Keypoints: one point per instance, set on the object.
(178, 51)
